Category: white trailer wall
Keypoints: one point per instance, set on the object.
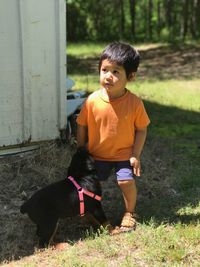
(32, 70)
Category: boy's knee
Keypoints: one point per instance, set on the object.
(126, 182)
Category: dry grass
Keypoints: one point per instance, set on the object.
(20, 177)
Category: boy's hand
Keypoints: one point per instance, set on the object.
(136, 165)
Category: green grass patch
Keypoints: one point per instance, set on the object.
(150, 245)
(84, 49)
(91, 49)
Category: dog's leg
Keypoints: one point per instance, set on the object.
(54, 232)
(38, 232)
(99, 214)
(46, 232)
(100, 218)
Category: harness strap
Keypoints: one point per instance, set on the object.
(82, 191)
(92, 195)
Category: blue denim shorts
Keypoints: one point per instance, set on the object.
(123, 169)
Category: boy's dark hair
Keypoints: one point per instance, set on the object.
(122, 54)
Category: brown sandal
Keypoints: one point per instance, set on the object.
(128, 224)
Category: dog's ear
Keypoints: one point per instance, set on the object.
(82, 149)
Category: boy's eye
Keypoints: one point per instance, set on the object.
(104, 70)
(115, 71)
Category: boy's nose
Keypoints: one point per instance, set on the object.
(109, 75)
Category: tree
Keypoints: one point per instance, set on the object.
(122, 18)
(132, 13)
(108, 20)
(159, 18)
(150, 11)
(185, 18)
(197, 15)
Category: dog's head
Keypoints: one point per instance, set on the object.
(81, 164)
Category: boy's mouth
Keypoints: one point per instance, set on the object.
(108, 84)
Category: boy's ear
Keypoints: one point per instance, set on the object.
(132, 76)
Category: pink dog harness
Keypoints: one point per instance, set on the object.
(82, 191)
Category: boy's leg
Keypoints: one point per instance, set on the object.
(127, 184)
(129, 192)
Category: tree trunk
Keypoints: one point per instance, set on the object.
(122, 19)
(158, 18)
(132, 4)
(193, 18)
(185, 18)
(150, 27)
(169, 19)
(197, 15)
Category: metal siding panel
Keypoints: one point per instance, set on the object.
(10, 72)
(61, 61)
(39, 96)
(45, 87)
(43, 70)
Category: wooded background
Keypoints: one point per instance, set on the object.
(135, 20)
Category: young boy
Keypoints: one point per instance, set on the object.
(113, 123)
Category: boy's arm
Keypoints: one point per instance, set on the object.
(81, 135)
(140, 137)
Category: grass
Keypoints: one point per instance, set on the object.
(150, 245)
(84, 49)
(168, 233)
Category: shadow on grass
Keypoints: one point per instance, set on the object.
(171, 177)
(169, 187)
(163, 62)
(82, 66)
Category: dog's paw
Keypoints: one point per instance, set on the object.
(60, 246)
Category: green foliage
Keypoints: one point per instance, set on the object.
(108, 20)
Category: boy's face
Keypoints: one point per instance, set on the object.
(113, 78)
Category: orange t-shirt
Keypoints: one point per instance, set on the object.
(111, 124)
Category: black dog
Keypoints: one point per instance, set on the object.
(61, 199)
